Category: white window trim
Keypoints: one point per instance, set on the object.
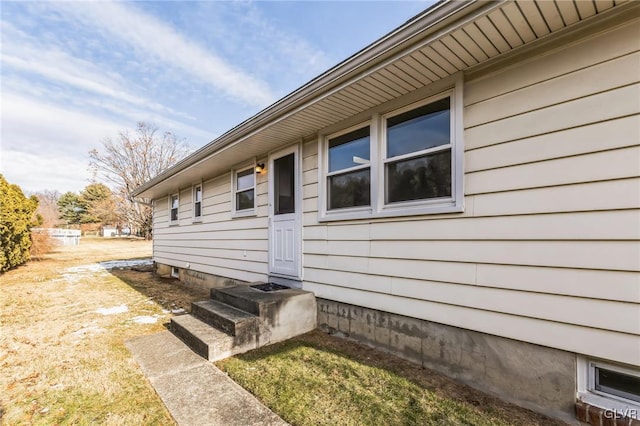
(588, 394)
(323, 160)
(177, 221)
(193, 201)
(234, 173)
(377, 123)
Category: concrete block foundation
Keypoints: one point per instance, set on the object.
(196, 278)
(535, 377)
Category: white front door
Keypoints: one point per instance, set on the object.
(284, 214)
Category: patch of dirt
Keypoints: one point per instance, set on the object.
(142, 268)
(170, 293)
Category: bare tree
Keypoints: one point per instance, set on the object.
(131, 160)
(48, 208)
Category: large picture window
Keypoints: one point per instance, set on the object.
(349, 170)
(244, 191)
(405, 161)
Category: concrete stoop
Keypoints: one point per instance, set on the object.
(240, 318)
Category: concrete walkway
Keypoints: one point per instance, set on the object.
(194, 390)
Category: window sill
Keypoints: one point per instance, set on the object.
(197, 220)
(345, 214)
(243, 214)
(610, 404)
(391, 211)
(174, 223)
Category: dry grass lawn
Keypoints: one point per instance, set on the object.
(64, 320)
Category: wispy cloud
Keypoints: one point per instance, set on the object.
(46, 146)
(36, 172)
(152, 37)
(294, 47)
(22, 53)
(33, 125)
(102, 106)
(80, 84)
(254, 39)
(75, 73)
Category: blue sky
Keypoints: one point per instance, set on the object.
(75, 73)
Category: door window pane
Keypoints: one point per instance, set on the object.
(419, 129)
(350, 189)
(419, 178)
(349, 150)
(284, 184)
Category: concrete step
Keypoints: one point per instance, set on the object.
(240, 296)
(257, 302)
(208, 342)
(283, 313)
(225, 317)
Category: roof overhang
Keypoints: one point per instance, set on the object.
(447, 38)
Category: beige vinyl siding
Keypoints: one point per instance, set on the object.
(548, 247)
(218, 244)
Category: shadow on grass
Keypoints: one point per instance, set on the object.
(170, 293)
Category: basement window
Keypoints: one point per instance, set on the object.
(175, 272)
(614, 381)
(610, 386)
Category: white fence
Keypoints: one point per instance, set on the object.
(66, 237)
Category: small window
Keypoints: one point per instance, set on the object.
(175, 272)
(418, 154)
(244, 191)
(174, 204)
(197, 202)
(349, 170)
(609, 380)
